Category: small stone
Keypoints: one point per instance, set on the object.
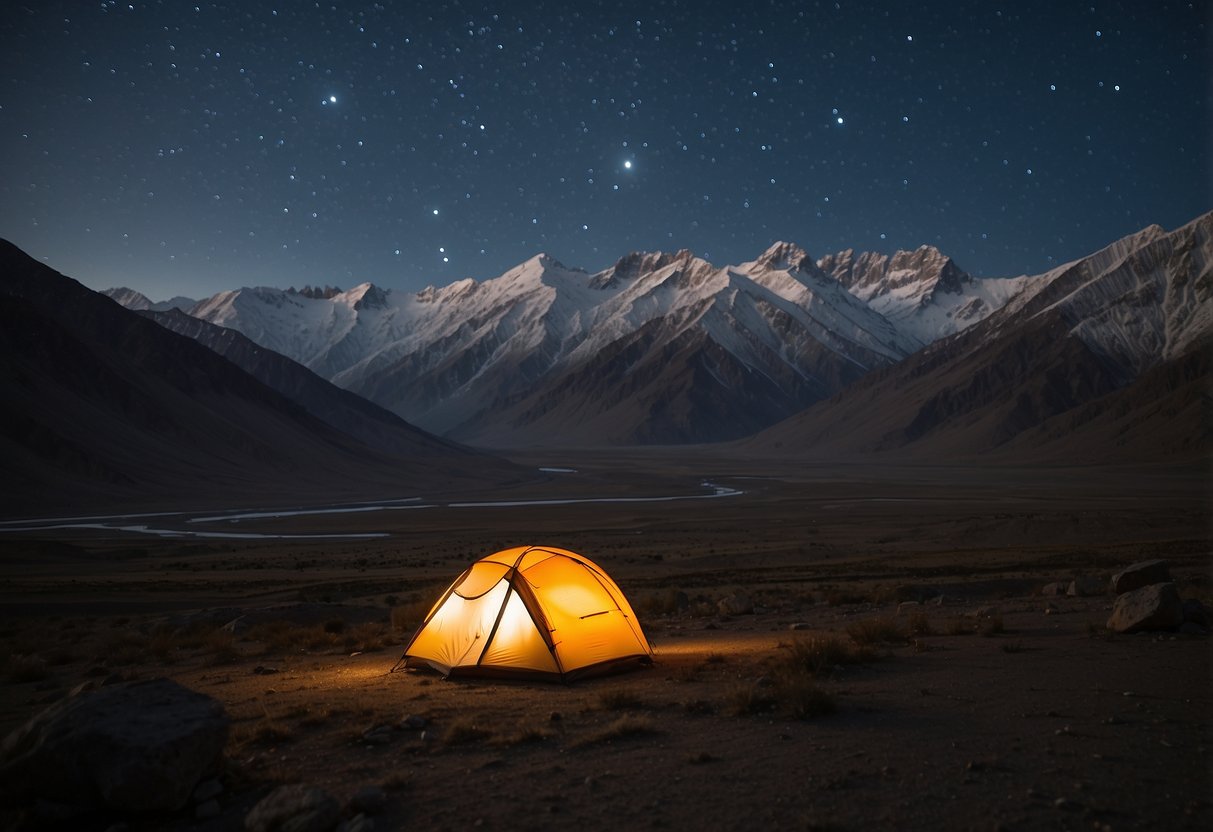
(414, 721)
(368, 800)
(1190, 629)
(555, 716)
(1055, 588)
(800, 625)
(294, 808)
(207, 809)
(260, 670)
(1067, 805)
(1142, 573)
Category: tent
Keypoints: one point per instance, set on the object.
(529, 612)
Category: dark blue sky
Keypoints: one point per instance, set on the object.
(186, 148)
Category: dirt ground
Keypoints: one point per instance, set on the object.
(838, 703)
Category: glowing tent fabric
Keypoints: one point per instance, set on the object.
(531, 611)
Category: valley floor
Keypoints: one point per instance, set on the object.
(985, 705)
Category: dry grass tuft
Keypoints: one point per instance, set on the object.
(620, 700)
(464, 731)
(265, 731)
(875, 630)
(817, 654)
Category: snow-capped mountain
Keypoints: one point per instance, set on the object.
(923, 293)
(667, 347)
(1106, 355)
(138, 302)
(492, 360)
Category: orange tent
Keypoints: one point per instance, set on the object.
(531, 611)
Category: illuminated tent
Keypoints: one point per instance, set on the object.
(531, 611)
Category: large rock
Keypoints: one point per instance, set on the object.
(136, 747)
(1141, 574)
(294, 808)
(1154, 607)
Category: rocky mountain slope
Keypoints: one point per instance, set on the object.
(1109, 351)
(103, 406)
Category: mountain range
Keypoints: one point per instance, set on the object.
(103, 406)
(849, 352)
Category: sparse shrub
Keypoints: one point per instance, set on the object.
(620, 700)
(818, 653)
(747, 699)
(368, 637)
(800, 698)
(265, 731)
(463, 731)
(875, 630)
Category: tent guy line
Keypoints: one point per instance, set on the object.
(410, 503)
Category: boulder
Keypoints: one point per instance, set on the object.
(1141, 574)
(132, 747)
(1087, 586)
(736, 604)
(294, 808)
(1154, 607)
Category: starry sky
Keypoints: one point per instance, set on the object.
(186, 148)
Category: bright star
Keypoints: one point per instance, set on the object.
(332, 99)
(628, 164)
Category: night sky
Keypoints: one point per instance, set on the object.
(184, 149)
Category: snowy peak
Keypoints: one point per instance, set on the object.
(784, 256)
(137, 301)
(633, 265)
(870, 274)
